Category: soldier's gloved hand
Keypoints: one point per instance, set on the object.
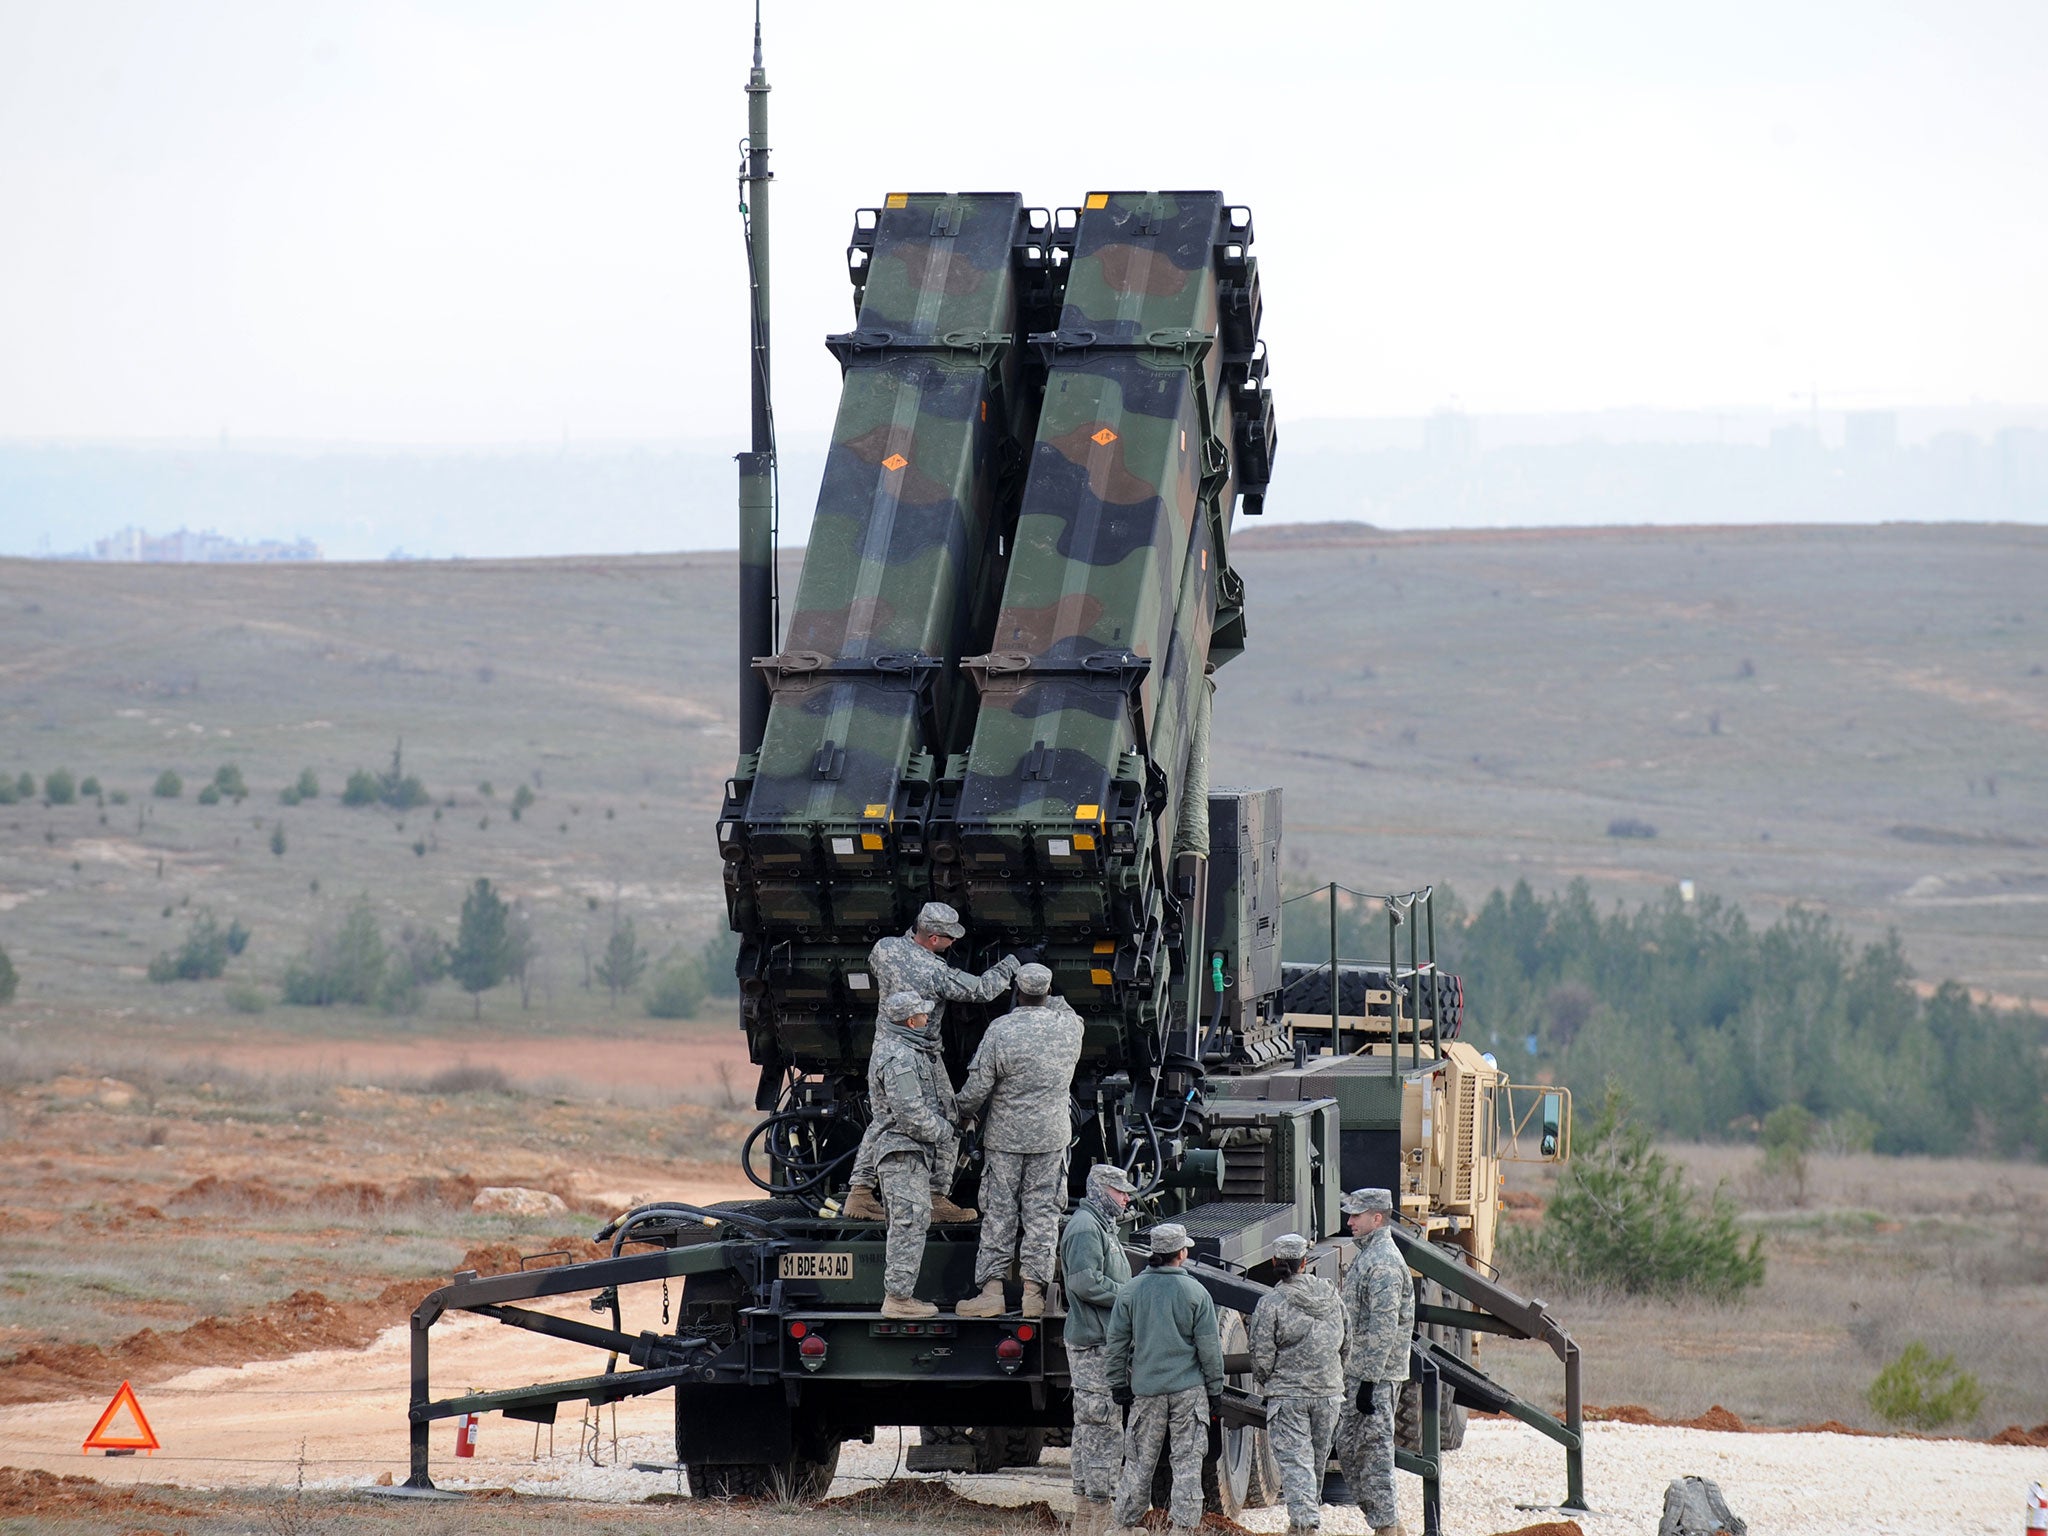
(1216, 1409)
(1122, 1395)
(1032, 954)
(1368, 1399)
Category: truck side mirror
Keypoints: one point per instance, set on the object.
(1553, 1123)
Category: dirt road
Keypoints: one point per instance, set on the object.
(246, 1426)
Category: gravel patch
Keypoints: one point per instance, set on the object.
(1808, 1484)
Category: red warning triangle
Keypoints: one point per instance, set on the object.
(142, 1439)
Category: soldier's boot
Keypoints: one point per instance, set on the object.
(989, 1303)
(1396, 1529)
(907, 1306)
(943, 1209)
(861, 1205)
(1093, 1517)
(1033, 1304)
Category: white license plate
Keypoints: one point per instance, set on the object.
(817, 1266)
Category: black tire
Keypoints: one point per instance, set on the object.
(995, 1447)
(1451, 1414)
(798, 1478)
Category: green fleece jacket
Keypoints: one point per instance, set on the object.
(1162, 1335)
(1092, 1266)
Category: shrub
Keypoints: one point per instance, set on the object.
(1624, 1219)
(227, 778)
(10, 979)
(210, 795)
(1925, 1390)
(1629, 826)
(9, 795)
(676, 990)
(25, 786)
(522, 797)
(168, 785)
(289, 795)
(716, 962)
(485, 789)
(277, 843)
(59, 788)
(1786, 1137)
(344, 965)
(242, 997)
(204, 954)
(118, 797)
(89, 786)
(467, 1078)
(308, 786)
(361, 788)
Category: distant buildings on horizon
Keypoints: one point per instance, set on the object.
(185, 547)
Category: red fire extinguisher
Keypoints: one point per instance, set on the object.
(465, 1434)
(2037, 1510)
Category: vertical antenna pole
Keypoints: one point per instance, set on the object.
(757, 467)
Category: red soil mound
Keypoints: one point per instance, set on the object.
(305, 1320)
(1548, 1528)
(2012, 1434)
(45, 1493)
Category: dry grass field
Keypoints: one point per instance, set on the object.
(1848, 718)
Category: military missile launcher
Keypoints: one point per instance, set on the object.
(994, 688)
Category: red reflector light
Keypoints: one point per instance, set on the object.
(1009, 1349)
(813, 1346)
(1026, 1332)
(798, 1330)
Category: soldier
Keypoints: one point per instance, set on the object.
(1166, 1369)
(1298, 1340)
(1024, 1072)
(1092, 1265)
(1379, 1311)
(909, 962)
(913, 1113)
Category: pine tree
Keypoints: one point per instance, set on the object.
(478, 960)
(624, 962)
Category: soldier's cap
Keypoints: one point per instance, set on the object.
(937, 917)
(898, 1006)
(1361, 1200)
(1034, 980)
(1170, 1237)
(1292, 1247)
(1109, 1176)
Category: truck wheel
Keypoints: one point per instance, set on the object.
(994, 1448)
(1450, 1423)
(798, 1479)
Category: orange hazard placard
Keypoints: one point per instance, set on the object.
(142, 1439)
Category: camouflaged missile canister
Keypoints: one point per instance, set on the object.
(1118, 599)
(822, 831)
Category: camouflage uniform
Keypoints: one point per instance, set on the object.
(1379, 1307)
(1024, 1073)
(901, 964)
(1298, 1338)
(1093, 1266)
(913, 1114)
(1164, 1349)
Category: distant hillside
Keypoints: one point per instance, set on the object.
(1853, 718)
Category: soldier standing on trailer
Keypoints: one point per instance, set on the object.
(910, 962)
(1024, 1072)
(1298, 1343)
(1166, 1370)
(1092, 1267)
(912, 1105)
(1379, 1310)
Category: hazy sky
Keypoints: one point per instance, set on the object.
(504, 220)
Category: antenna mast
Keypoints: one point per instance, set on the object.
(757, 503)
